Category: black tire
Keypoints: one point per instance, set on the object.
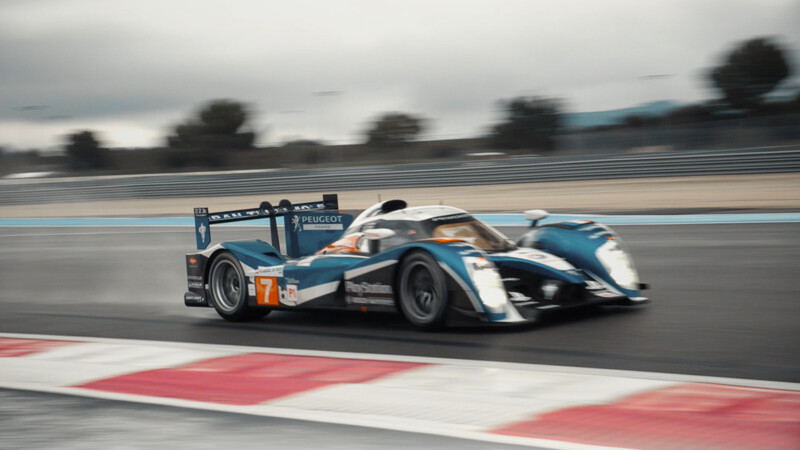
(422, 290)
(227, 287)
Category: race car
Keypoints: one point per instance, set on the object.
(435, 265)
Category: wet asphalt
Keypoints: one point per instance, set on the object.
(725, 303)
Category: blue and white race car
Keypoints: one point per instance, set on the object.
(436, 265)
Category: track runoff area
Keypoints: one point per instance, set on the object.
(541, 406)
(523, 404)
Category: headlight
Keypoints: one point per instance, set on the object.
(488, 282)
(618, 263)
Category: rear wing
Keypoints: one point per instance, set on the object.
(204, 219)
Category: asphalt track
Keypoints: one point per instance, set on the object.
(725, 303)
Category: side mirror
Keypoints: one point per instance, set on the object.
(377, 234)
(535, 215)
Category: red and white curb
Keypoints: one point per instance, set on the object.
(544, 406)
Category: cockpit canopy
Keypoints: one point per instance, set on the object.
(427, 222)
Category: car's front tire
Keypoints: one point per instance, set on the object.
(422, 291)
(228, 290)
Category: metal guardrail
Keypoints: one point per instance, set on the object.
(511, 170)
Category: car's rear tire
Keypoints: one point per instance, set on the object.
(422, 289)
(227, 287)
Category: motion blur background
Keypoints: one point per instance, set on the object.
(96, 87)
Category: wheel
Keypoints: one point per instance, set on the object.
(228, 289)
(423, 291)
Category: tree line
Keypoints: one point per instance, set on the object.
(746, 74)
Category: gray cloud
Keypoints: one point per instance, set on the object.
(100, 61)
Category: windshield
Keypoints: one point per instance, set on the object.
(476, 233)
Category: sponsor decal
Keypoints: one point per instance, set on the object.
(236, 214)
(202, 233)
(365, 293)
(369, 301)
(323, 226)
(250, 213)
(191, 297)
(451, 217)
(289, 294)
(192, 261)
(316, 222)
(320, 218)
(272, 271)
(201, 230)
(303, 207)
(251, 288)
(367, 288)
(196, 284)
(194, 278)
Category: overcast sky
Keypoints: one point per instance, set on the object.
(133, 69)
